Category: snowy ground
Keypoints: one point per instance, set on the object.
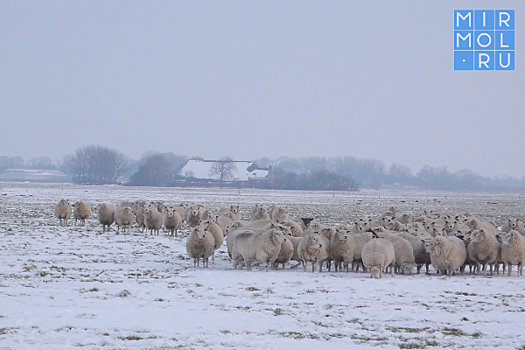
(72, 287)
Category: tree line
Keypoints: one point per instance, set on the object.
(95, 164)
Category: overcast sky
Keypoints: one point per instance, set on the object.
(249, 79)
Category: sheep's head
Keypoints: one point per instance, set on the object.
(513, 223)
(234, 209)
(278, 237)
(314, 241)
(430, 245)
(407, 269)
(478, 235)
(375, 272)
(340, 235)
(199, 232)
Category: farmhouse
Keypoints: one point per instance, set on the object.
(243, 174)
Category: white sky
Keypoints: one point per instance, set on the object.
(250, 79)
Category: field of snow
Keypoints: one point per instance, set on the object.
(74, 287)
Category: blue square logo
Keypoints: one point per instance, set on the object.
(484, 40)
(484, 20)
(504, 60)
(464, 60)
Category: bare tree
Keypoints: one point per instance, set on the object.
(223, 168)
(157, 171)
(96, 164)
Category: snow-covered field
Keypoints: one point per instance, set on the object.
(73, 287)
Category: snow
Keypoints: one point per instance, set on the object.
(69, 287)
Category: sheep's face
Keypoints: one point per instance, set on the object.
(314, 225)
(449, 224)
(234, 209)
(199, 232)
(478, 236)
(314, 241)
(429, 246)
(341, 235)
(513, 223)
(195, 212)
(375, 272)
(231, 227)
(278, 237)
(407, 269)
(510, 237)
(169, 213)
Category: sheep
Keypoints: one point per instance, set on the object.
(476, 224)
(305, 223)
(260, 214)
(342, 250)
(181, 209)
(483, 249)
(124, 217)
(360, 240)
(314, 248)
(106, 216)
(223, 222)
(285, 254)
(421, 257)
(513, 224)
(252, 247)
(172, 220)
(404, 260)
(139, 208)
(194, 214)
(404, 218)
(81, 211)
(63, 211)
(295, 228)
(378, 254)
(199, 245)
(513, 251)
(233, 210)
(216, 232)
(254, 209)
(447, 253)
(153, 221)
(279, 214)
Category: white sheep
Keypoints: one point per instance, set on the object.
(513, 251)
(223, 222)
(153, 221)
(285, 254)
(360, 239)
(447, 253)
(279, 214)
(513, 224)
(313, 248)
(216, 232)
(260, 214)
(194, 214)
(81, 211)
(342, 250)
(404, 260)
(378, 254)
(483, 249)
(63, 211)
(172, 220)
(253, 247)
(477, 224)
(233, 210)
(295, 228)
(199, 245)
(106, 216)
(124, 217)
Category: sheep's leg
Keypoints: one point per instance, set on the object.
(510, 269)
(520, 269)
(304, 265)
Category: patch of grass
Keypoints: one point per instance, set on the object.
(476, 335)
(252, 289)
(278, 312)
(131, 337)
(4, 330)
(412, 346)
(453, 331)
(225, 331)
(106, 334)
(407, 329)
(320, 324)
(310, 291)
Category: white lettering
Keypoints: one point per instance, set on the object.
(484, 62)
(501, 41)
(464, 38)
(484, 34)
(501, 60)
(464, 18)
(506, 21)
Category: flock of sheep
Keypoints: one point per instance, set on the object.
(396, 242)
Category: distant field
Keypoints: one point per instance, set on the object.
(73, 287)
